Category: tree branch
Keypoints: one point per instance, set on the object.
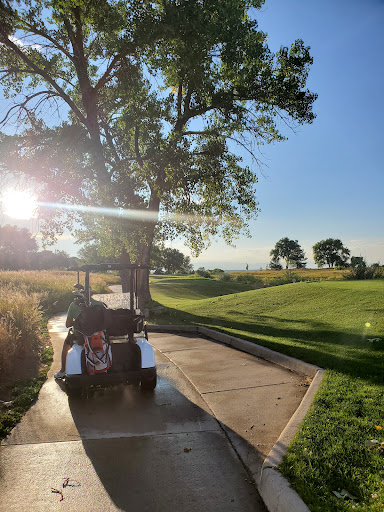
(179, 99)
(204, 132)
(41, 33)
(24, 103)
(30, 72)
(4, 39)
(148, 156)
(110, 142)
(107, 75)
(246, 148)
(137, 150)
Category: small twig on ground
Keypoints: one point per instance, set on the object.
(70, 483)
(57, 491)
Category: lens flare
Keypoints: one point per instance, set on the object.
(138, 215)
(19, 204)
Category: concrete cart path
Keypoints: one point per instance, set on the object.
(123, 450)
(252, 399)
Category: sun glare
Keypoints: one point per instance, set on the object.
(19, 204)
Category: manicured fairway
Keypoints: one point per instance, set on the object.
(338, 325)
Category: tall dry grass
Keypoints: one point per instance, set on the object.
(25, 297)
(20, 324)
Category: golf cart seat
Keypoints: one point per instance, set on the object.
(116, 322)
(124, 321)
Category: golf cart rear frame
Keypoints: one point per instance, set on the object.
(133, 359)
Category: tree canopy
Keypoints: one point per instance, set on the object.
(288, 250)
(330, 252)
(142, 106)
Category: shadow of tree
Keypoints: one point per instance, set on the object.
(157, 465)
(309, 340)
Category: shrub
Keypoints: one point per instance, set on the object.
(360, 270)
(201, 272)
(287, 278)
(250, 279)
(225, 278)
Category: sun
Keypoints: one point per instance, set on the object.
(19, 204)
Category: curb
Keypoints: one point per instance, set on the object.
(290, 363)
(274, 489)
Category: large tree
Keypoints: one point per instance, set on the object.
(288, 250)
(330, 252)
(141, 106)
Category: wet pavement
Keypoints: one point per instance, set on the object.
(122, 449)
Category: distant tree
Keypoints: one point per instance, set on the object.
(356, 261)
(288, 250)
(330, 252)
(217, 271)
(170, 261)
(49, 260)
(201, 272)
(16, 247)
(156, 262)
(298, 259)
(275, 264)
(187, 266)
(174, 262)
(92, 254)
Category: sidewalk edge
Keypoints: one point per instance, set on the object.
(274, 489)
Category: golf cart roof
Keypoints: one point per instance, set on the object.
(108, 266)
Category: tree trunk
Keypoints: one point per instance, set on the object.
(125, 274)
(143, 291)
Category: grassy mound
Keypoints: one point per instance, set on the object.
(176, 290)
(338, 325)
(326, 323)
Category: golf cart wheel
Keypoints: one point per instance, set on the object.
(73, 390)
(149, 383)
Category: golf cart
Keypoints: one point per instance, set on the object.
(110, 344)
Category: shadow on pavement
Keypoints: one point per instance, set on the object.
(163, 450)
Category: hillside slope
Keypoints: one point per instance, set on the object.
(326, 323)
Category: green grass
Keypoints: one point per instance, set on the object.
(177, 290)
(330, 324)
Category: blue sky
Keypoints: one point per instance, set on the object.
(327, 179)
